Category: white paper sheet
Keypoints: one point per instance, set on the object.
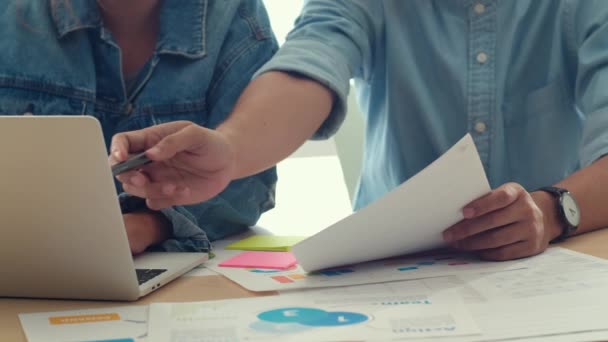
(393, 269)
(542, 317)
(558, 271)
(314, 316)
(127, 323)
(561, 296)
(409, 219)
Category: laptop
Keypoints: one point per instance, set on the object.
(62, 231)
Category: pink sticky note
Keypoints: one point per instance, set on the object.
(256, 259)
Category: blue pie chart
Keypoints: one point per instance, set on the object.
(292, 315)
(336, 319)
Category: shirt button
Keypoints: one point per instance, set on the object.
(129, 109)
(480, 127)
(482, 57)
(479, 8)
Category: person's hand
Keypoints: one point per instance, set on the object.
(145, 229)
(191, 163)
(508, 223)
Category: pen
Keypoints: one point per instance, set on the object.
(130, 164)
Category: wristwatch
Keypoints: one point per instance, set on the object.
(568, 210)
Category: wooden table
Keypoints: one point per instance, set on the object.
(206, 288)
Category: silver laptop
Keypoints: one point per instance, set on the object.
(61, 229)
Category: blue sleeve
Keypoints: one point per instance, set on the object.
(248, 45)
(589, 39)
(332, 41)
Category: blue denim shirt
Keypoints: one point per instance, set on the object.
(527, 78)
(62, 60)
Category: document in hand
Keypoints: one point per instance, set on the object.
(409, 219)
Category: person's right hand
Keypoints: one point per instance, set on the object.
(191, 163)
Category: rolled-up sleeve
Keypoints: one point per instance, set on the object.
(590, 36)
(234, 209)
(332, 41)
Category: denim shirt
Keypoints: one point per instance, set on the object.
(62, 60)
(527, 78)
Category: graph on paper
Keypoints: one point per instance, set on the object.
(393, 269)
(315, 316)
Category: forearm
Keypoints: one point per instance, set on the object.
(275, 114)
(590, 188)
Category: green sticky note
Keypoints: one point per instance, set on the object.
(269, 243)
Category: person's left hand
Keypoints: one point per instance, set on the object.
(505, 224)
(145, 229)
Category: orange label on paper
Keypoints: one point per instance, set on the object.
(84, 319)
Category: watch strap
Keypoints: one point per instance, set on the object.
(555, 191)
(567, 228)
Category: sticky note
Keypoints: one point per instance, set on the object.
(256, 259)
(84, 319)
(266, 243)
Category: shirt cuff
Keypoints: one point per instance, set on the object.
(185, 235)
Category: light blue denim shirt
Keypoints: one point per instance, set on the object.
(527, 78)
(61, 60)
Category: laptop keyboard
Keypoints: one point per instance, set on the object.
(145, 274)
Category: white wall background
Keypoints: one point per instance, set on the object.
(282, 14)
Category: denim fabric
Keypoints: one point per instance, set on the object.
(527, 78)
(58, 59)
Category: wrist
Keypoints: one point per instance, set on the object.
(551, 219)
(231, 139)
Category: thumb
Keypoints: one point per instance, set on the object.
(186, 139)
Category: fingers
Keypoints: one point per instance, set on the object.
(516, 250)
(498, 198)
(126, 143)
(134, 178)
(504, 216)
(153, 190)
(495, 238)
(188, 138)
(504, 224)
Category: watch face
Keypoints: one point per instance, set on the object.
(571, 211)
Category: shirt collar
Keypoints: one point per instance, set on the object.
(182, 23)
(74, 16)
(183, 28)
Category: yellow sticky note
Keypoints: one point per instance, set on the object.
(269, 243)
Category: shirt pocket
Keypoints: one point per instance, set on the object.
(542, 133)
(15, 101)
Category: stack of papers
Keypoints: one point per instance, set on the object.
(560, 296)
(356, 289)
